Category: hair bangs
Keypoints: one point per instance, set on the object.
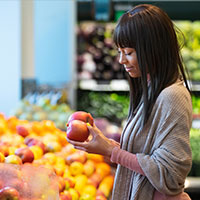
(122, 34)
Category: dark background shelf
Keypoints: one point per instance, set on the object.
(177, 10)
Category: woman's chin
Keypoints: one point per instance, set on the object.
(134, 75)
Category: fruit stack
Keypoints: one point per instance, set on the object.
(42, 110)
(80, 176)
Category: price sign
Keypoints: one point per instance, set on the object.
(102, 10)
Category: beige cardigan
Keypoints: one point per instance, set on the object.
(162, 148)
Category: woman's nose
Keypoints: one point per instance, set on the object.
(122, 58)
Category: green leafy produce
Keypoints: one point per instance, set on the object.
(191, 46)
(113, 106)
(195, 145)
(196, 104)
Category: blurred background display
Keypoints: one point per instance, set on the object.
(191, 48)
(97, 60)
(98, 57)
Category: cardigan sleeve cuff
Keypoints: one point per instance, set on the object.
(126, 159)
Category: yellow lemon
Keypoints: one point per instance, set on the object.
(2, 157)
(51, 157)
(86, 197)
(90, 190)
(76, 168)
(37, 151)
(81, 181)
(66, 172)
(89, 168)
(74, 194)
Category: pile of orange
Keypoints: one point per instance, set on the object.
(81, 176)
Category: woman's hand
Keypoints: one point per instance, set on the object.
(99, 144)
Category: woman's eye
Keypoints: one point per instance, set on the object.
(128, 54)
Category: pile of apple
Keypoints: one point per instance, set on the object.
(79, 175)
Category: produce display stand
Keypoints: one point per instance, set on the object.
(40, 157)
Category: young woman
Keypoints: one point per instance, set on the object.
(154, 155)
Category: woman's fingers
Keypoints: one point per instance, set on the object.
(75, 143)
(94, 131)
(79, 148)
(91, 129)
(92, 145)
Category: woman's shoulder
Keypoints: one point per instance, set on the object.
(174, 91)
(174, 99)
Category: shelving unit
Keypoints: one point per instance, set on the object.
(116, 85)
(176, 9)
(113, 85)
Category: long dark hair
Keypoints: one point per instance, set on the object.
(150, 31)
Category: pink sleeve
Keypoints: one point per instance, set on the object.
(126, 159)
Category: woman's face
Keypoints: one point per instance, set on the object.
(128, 58)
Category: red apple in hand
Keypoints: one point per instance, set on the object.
(25, 154)
(9, 193)
(77, 130)
(82, 116)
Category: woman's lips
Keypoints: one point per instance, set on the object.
(128, 69)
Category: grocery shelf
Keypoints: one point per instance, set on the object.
(113, 85)
(176, 9)
(195, 87)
